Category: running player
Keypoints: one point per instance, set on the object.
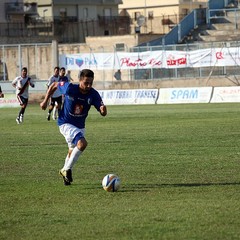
(21, 84)
(71, 121)
(56, 99)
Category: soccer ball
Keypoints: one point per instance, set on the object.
(111, 183)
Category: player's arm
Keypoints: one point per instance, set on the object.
(103, 110)
(99, 105)
(14, 83)
(50, 81)
(31, 82)
(52, 88)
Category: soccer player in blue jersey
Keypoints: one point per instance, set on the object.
(56, 98)
(71, 121)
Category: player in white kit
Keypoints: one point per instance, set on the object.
(21, 83)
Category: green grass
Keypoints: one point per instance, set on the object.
(179, 167)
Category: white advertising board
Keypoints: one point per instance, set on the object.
(9, 100)
(133, 96)
(226, 94)
(225, 56)
(184, 95)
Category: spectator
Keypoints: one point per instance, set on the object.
(118, 75)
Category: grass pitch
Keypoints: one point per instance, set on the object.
(179, 167)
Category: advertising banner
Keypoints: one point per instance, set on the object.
(134, 96)
(184, 95)
(152, 59)
(226, 94)
(9, 100)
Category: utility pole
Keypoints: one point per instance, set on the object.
(145, 15)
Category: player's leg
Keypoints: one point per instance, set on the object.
(71, 159)
(54, 112)
(59, 104)
(80, 145)
(23, 103)
(76, 144)
(51, 106)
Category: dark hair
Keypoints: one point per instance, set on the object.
(56, 68)
(86, 73)
(24, 68)
(62, 68)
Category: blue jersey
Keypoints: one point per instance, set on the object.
(63, 79)
(77, 105)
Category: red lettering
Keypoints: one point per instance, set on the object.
(153, 62)
(171, 62)
(219, 55)
(182, 61)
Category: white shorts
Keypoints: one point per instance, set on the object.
(69, 132)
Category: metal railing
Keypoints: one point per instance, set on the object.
(39, 60)
(190, 22)
(69, 30)
(181, 30)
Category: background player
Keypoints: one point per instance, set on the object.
(54, 105)
(21, 84)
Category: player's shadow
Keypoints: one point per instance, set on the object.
(147, 187)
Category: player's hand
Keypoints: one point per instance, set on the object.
(43, 105)
(103, 110)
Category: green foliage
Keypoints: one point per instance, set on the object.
(179, 167)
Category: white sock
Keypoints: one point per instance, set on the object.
(66, 162)
(54, 114)
(73, 158)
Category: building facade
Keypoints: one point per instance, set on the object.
(11, 11)
(77, 10)
(71, 21)
(151, 16)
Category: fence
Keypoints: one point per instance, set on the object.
(70, 30)
(181, 30)
(39, 58)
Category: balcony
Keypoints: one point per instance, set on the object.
(60, 19)
(112, 2)
(30, 8)
(20, 8)
(89, 2)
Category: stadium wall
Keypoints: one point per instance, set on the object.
(42, 58)
(152, 96)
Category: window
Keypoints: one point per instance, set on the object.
(120, 47)
(85, 13)
(107, 12)
(150, 15)
(136, 15)
(63, 12)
